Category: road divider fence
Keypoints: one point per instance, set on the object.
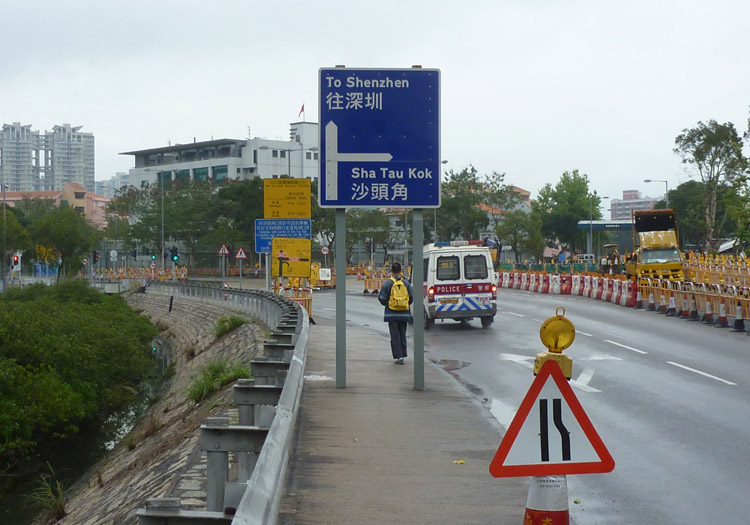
(714, 304)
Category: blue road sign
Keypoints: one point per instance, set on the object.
(267, 229)
(379, 138)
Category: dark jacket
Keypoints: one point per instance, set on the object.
(385, 294)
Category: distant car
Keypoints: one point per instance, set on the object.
(587, 258)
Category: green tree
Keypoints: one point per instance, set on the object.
(68, 233)
(242, 202)
(323, 220)
(16, 236)
(460, 214)
(521, 231)
(499, 198)
(69, 355)
(192, 213)
(561, 207)
(364, 227)
(713, 151)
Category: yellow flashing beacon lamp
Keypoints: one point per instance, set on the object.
(557, 333)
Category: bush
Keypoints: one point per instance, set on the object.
(69, 355)
(228, 323)
(213, 377)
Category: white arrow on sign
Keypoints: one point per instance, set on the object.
(333, 157)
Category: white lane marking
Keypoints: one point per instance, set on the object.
(582, 383)
(601, 357)
(583, 333)
(525, 360)
(538, 321)
(701, 373)
(503, 413)
(513, 313)
(626, 347)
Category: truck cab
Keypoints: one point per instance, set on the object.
(459, 283)
(657, 251)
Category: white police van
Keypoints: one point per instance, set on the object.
(459, 283)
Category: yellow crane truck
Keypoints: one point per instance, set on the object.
(656, 248)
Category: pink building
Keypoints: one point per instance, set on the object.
(88, 204)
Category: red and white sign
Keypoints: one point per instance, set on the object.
(325, 250)
(153, 265)
(240, 254)
(551, 435)
(223, 250)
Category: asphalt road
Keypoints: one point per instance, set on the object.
(670, 399)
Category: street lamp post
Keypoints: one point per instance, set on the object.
(163, 246)
(666, 189)
(434, 215)
(160, 179)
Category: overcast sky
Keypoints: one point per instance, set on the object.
(531, 88)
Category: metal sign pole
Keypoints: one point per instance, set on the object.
(340, 260)
(417, 278)
(268, 272)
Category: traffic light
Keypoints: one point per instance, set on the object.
(16, 260)
(175, 255)
(96, 256)
(153, 256)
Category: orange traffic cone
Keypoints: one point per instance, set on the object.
(651, 302)
(662, 304)
(722, 321)
(547, 502)
(639, 300)
(708, 316)
(739, 322)
(685, 311)
(693, 309)
(672, 310)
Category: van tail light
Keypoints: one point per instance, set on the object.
(431, 295)
(494, 292)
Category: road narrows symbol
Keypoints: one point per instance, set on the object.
(543, 429)
(564, 434)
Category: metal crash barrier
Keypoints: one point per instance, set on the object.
(267, 404)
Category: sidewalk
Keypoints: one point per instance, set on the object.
(380, 452)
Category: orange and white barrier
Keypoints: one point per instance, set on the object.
(694, 301)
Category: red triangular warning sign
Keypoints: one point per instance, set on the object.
(240, 254)
(550, 435)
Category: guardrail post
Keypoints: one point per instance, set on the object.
(217, 467)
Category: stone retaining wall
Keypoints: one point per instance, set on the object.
(165, 461)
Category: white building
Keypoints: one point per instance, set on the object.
(30, 161)
(109, 188)
(622, 209)
(231, 159)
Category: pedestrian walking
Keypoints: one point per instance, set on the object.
(396, 295)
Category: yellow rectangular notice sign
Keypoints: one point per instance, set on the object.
(291, 256)
(286, 199)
